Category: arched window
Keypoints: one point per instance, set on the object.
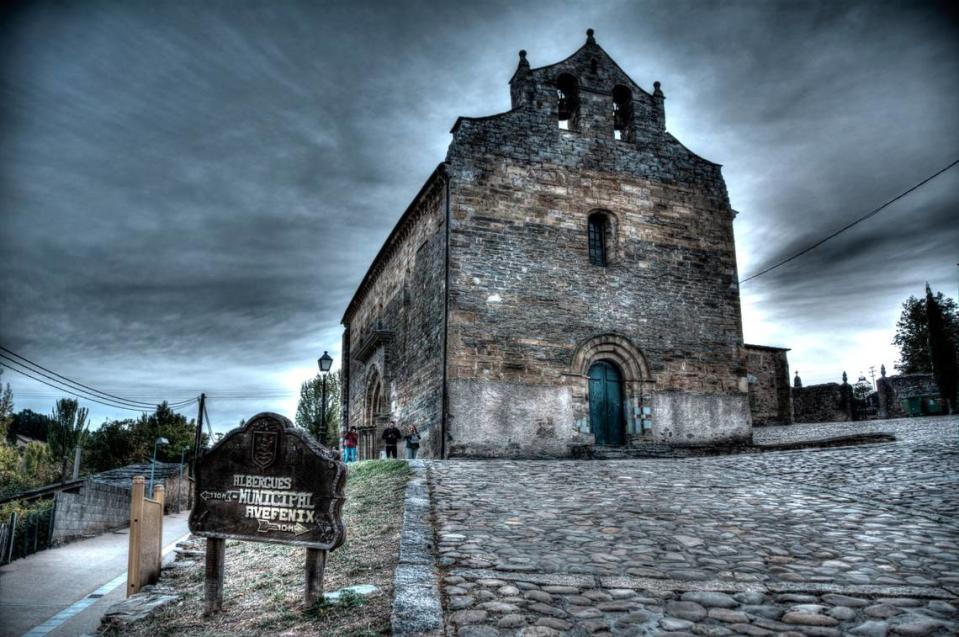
(622, 113)
(597, 227)
(567, 91)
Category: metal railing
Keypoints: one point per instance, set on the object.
(27, 534)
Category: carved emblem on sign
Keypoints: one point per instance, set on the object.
(265, 446)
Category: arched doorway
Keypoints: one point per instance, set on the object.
(606, 403)
(376, 412)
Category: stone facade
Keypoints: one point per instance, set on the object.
(770, 396)
(394, 339)
(570, 231)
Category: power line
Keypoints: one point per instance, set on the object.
(61, 385)
(60, 378)
(79, 389)
(851, 224)
(68, 391)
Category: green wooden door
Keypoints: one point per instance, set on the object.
(606, 403)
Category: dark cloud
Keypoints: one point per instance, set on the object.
(190, 192)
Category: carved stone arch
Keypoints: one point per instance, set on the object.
(374, 413)
(615, 348)
(636, 379)
(375, 396)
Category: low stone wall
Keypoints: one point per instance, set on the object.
(96, 507)
(829, 402)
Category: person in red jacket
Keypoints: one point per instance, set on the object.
(349, 445)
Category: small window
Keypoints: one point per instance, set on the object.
(622, 113)
(597, 239)
(567, 93)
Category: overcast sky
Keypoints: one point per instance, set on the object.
(191, 191)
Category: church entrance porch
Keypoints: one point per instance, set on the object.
(606, 403)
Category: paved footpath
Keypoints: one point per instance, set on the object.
(858, 540)
(39, 586)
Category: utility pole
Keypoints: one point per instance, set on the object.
(199, 433)
(872, 375)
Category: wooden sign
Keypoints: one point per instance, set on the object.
(269, 481)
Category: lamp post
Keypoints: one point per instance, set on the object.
(153, 464)
(325, 362)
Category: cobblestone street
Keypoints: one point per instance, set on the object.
(859, 540)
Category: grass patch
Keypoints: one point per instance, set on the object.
(263, 591)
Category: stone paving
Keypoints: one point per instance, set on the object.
(859, 540)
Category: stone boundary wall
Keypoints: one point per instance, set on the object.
(892, 390)
(96, 508)
(829, 402)
(770, 395)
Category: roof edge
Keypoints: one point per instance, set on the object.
(768, 347)
(383, 253)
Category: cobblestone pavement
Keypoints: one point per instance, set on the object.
(859, 540)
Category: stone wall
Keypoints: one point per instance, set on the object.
(770, 395)
(395, 327)
(893, 390)
(829, 402)
(525, 299)
(178, 497)
(94, 508)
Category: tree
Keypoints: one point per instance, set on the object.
(113, 445)
(30, 424)
(6, 408)
(121, 442)
(67, 432)
(942, 350)
(309, 410)
(912, 332)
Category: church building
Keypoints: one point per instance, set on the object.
(564, 281)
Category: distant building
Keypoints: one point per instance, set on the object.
(565, 278)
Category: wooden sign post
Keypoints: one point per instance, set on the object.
(269, 482)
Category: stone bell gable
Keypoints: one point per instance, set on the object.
(582, 284)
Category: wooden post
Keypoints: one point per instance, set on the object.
(159, 494)
(136, 514)
(213, 586)
(315, 565)
(199, 433)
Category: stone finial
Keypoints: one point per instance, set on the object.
(882, 371)
(657, 89)
(845, 379)
(523, 62)
(589, 37)
(797, 381)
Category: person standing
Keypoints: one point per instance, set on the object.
(391, 436)
(350, 441)
(412, 442)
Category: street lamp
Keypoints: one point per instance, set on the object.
(153, 464)
(325, 362)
